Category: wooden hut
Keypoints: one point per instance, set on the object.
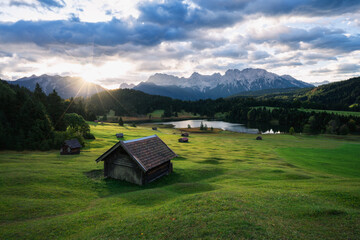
(138, 161)
(183, 140)
(70, 147)
(185, 134)
(119, 135)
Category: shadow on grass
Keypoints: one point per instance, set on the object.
(326, 213)
(182, 181)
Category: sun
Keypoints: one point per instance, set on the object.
(110, 70)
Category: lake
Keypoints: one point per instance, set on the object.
(234, 127)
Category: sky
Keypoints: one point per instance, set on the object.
(110, 42)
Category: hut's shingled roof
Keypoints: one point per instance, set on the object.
(149, 152)
(73, 143)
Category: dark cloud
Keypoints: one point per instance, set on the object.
(348, 68)
(303, 7)
(276, 64)
(321, 71)
(109, 33)
(320, 56)
(258, 55)
(180, 14)
(318, 37)
(230, 53)
(177, 21)
(74, 18)
(21, 4)
(52, 3)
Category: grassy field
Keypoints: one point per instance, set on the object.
(224, 186)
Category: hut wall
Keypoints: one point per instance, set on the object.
(66, 150)
(159, 171)
(120, 166)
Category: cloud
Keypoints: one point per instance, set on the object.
(74, 17)
(348, 68)
(52, 3)
(178, 13)
(230, 52)
(321, 71)
(276, 7)
(109, 33)
(317, 37)
(21, 4)
(258, 55)
(320, 56)
(304, 7)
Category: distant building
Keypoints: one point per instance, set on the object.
(119, 135)
(70, 147)
(138, 161)
(184, 139)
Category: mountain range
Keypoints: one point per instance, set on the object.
(214, 86)
(195, 87)
(66, 87)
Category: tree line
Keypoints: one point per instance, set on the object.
(127, 102)
(34, 120)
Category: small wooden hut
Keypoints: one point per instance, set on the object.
(70, 147)
(183, 140)
(119, 135)
(138, 161)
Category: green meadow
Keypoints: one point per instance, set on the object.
(224, 186)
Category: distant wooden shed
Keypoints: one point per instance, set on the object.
(119, 135)
(138, 161)
(183, 140)
(70, 147)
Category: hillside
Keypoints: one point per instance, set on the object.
(275, 91)
(129, 102)
(341, 95)
(65, 86)
(224, 186)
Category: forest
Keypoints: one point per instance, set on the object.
(34, 120)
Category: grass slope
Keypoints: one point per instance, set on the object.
(225, 185)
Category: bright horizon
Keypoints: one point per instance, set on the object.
(112, 42)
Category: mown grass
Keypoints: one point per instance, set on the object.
(225, 186)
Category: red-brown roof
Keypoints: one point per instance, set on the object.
(148, 152)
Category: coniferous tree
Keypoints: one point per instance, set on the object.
(121, 122)
(56, 110)
(39, 94)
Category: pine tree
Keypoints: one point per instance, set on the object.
(121, 122)
(55, 109)
(39, 94)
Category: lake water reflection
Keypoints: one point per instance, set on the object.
(234, 127)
